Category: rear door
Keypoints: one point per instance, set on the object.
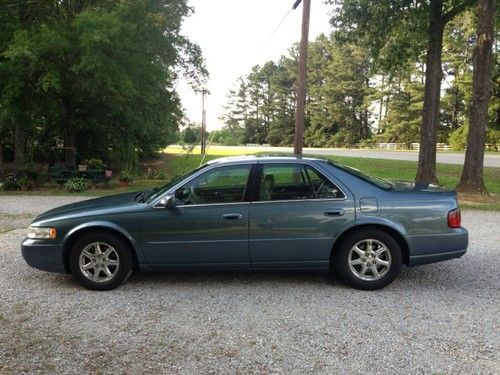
(297, 215)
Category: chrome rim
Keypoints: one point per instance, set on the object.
(99, 262)
(369, 259)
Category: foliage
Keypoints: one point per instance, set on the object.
(76, 184)
(191, 134)
(458, 138)
(338, 106)
(95, 164)
(96, 74)
(227, 137)
(362, 87)
(261, 109)
(126, 176)
(11, 185)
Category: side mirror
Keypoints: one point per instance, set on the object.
(167, 202)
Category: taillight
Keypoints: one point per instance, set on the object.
(454, 218)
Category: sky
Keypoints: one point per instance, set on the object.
(234, 36)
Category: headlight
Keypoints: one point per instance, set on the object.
(41, 233)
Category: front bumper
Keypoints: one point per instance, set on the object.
(437, 247)
(42, 255)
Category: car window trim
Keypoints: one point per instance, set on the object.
(302, 165)
(303, 200)
(172, 190)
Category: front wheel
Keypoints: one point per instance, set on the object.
(101, 261)
(368, 259)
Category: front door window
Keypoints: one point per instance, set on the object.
(219, 185)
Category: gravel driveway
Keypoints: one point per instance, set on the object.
(441, 318)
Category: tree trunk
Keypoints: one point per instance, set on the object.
(472, 174)
(69, 132)
(19, 149)
(2, 172)
(426, 172)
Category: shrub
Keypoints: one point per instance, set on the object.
(95, 164)
(11, 185)
(458, 138)
(76, 184)
(126, 176)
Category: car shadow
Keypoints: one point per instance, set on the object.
(452, 276)
(230, 278)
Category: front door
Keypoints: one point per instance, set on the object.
(207, 228)
(297, 217)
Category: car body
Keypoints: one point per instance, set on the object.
(253, 213)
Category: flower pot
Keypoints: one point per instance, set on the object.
(82, 167)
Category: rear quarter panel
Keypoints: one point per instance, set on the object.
(419, 216)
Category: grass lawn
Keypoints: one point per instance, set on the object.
(173, 165)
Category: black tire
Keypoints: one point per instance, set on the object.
(382, 275)
(120, 254)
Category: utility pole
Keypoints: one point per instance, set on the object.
(203, 122)
(302, 78)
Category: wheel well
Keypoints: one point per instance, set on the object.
(394, 233)
(68, 245)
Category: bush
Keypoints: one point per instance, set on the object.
(458, 138)
(493, 138)
(11, 185)
(76, 184)
(95, 164)
(126, 176)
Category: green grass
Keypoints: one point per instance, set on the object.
(174, 165)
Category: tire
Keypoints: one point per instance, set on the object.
(101, 261)
(364, 266)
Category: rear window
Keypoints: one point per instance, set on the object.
(379, 182)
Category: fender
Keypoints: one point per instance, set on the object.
(108, 225)
(377, 220)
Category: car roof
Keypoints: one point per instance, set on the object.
(253, 158)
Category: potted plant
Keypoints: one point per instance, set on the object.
(95, 164)
(125, 178)
(83, 166)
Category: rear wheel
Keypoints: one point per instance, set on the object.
(368, 259)
(101, 261)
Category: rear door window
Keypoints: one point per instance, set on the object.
(280, 182)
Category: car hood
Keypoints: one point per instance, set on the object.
(97, 205)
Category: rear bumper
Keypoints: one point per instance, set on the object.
(438, 247)
(45, 257)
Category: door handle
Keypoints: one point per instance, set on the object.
(232, 217)
(334, 212)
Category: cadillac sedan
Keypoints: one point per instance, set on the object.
(253, 213)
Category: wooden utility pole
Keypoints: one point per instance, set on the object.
(302, 78)
(203, 122)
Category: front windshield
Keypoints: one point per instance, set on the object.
(152, 194)
(377, 181)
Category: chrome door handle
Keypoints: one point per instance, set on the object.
(334, 212)
(232, 217)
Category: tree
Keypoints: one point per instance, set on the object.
(90, 71)
(394, 30)
(338, 91)
(401, 123)
(472, 174)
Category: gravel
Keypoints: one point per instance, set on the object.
(440, 318)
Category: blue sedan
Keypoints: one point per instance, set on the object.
(253, 213)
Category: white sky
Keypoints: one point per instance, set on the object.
(232, 35)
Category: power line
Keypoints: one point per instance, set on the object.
(264, 45)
